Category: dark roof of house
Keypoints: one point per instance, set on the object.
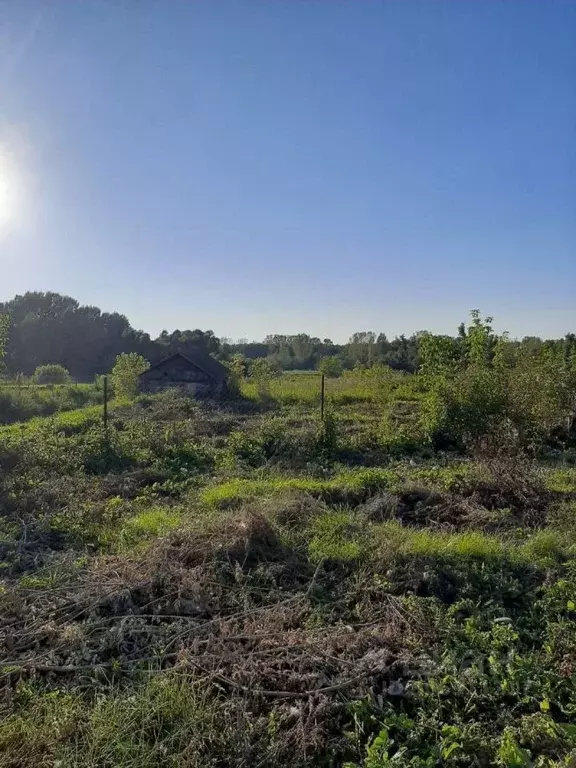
(201, 360)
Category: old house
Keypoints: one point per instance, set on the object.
(197, 374)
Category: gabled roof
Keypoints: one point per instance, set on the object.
(205, 362)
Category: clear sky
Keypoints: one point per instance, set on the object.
(282, 166)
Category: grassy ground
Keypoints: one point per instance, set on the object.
(368, 386)
(243, 585)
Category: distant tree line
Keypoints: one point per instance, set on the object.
(303, 352)
(48, 328)
(38, 329)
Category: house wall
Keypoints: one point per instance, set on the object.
(192, 388)
(178, 374)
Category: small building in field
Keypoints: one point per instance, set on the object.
(198, 375)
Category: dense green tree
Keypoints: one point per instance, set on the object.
(50, 328)
(402, 354)
(298, 351)
(360, 348)
(439, 354)
(186, 342)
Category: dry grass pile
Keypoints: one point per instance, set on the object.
(245, 539)
(230, 606)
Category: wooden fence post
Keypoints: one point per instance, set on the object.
(322, 398)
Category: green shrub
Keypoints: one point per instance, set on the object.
(51, 374)
(401, 432)
(124, 375)
(257, 447)
(276, 441)
(326, 442)
(480, 382)
(331, 367)
(460, 409)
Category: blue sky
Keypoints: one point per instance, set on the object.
(281, 166)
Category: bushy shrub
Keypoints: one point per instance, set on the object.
(125, 374)
(331, 367)
(8, 408)
(51, 374)
(535, 396)
(261, 368)
(256, 448)
(262, 372)
(276, 442)
(464, 407)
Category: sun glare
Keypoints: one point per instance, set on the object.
(8, 191)
(5, 203)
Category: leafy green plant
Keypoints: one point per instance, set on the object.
(327, 440)
(125, 374)
(510, 754)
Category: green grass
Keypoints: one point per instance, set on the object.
(344, 487)
(70, 422)
(75, 420)
(349, 486)
(13, 387)
(378, 384)
(148, 525)
(118, 525)
(562, 480)
(164, 721)
(334, 536)
(392, 539)
(562, 517)
(400, 540)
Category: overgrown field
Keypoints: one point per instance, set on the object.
(22, 402)
(243, 584)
